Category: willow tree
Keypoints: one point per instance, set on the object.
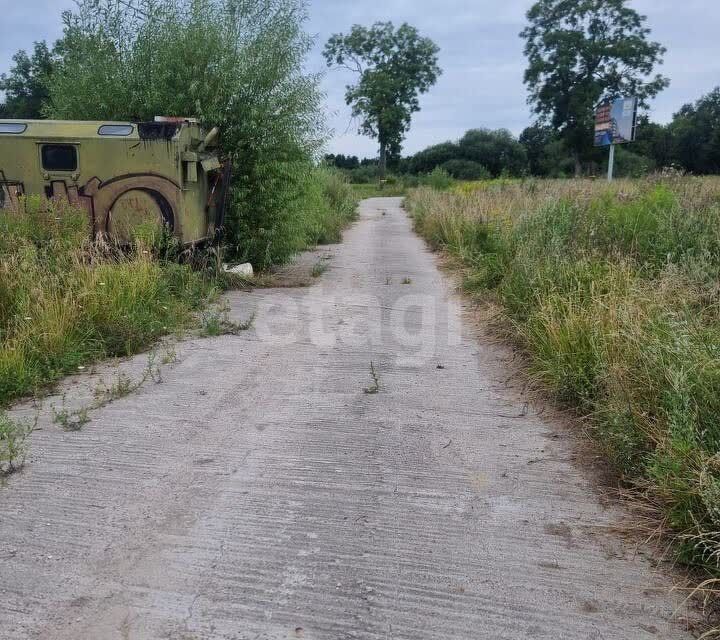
(394, 66)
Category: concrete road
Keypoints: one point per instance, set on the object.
(276, 485)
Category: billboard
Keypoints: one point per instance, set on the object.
(615, 122)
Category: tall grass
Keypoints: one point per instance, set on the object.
(335, 206)
(65, 302)
(614, 291)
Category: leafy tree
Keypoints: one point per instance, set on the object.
(394, 68)
(556, 161)
(695, 131)
(25, 86)
(655, 142)
(237, 64)
(498, 151)
(426, 160)
(580, 51)
(536, 139)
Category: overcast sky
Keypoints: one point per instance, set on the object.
(481, 55)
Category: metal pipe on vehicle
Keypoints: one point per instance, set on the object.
(208, 139)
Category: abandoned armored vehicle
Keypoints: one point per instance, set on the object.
(165, 173)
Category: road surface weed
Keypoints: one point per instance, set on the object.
(13, 443)
(374, 388)
(104, 394)
(216, 322)
(320, 267)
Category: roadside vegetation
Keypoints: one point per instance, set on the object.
(65, 302)
(612, 290)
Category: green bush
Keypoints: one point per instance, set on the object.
(364, 174)
(439, 179)
(631, 165)
(466, 170)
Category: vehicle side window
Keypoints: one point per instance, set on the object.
(12, 127)
(115, 130)
(59, 157)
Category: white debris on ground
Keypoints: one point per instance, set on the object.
(245, 269)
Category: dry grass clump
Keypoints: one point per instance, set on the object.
(614, 291)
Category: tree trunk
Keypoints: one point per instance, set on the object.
(383, 159)
(578, 165)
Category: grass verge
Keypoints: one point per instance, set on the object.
(65, 302)
(613, 292)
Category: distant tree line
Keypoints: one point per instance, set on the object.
(349, 162)
(480, 153)
(690, 143)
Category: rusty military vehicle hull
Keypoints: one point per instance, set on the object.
(126, 175)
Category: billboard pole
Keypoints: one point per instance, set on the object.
(611, 163)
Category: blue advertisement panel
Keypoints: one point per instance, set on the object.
(615, 122)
